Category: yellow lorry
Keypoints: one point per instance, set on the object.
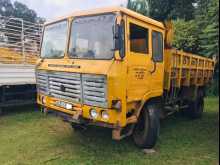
(114, 68)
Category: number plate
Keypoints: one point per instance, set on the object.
(61, 104)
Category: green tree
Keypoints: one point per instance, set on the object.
(186, 35)
(164, 9)
(201, 8)
(6, 8)
(22, 11)
(140, 6)
(19, 10)
(169, 9)
(209, 36)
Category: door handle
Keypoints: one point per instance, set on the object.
(155, 67)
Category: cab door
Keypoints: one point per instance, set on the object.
(157, 74)
(138, 60)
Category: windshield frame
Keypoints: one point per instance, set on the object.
(70, 38)
(66, 42)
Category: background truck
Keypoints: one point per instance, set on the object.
(19, 50)
(115, 68)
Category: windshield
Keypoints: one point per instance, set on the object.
(92, 37)
(54, 40)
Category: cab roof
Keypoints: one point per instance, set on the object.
(111, 10)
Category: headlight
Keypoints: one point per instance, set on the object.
(93, 113)
(105, 115)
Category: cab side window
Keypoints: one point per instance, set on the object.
(157, 46)
(139, 38)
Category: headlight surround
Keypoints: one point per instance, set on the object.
(93, 113)
(105, 115)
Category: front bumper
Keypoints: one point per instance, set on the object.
(81, 112)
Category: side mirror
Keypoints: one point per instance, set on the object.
(116, 31)
(119, 36)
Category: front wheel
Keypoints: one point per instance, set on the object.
(146, 131)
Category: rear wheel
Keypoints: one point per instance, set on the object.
(147, 129)
(196, 108)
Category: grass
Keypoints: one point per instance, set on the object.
(28, 137)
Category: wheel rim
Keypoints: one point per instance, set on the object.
(142, 126)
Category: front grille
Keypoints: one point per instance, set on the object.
(94, 90)
(74, 87)
(65, 86)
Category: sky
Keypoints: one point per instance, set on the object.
(51, 9)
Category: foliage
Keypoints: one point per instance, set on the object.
(6, 8)
(19, 10)
(164, 9)
(214, 89)
(186, 35)
(169, 9)
(209, 24)
(22, 11)
(208, 21)
(140, 6)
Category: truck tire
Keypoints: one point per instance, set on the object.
(146, 131)
(196, 108)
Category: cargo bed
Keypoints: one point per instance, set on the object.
(12, 74)
(185, 69)
(17, 85)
